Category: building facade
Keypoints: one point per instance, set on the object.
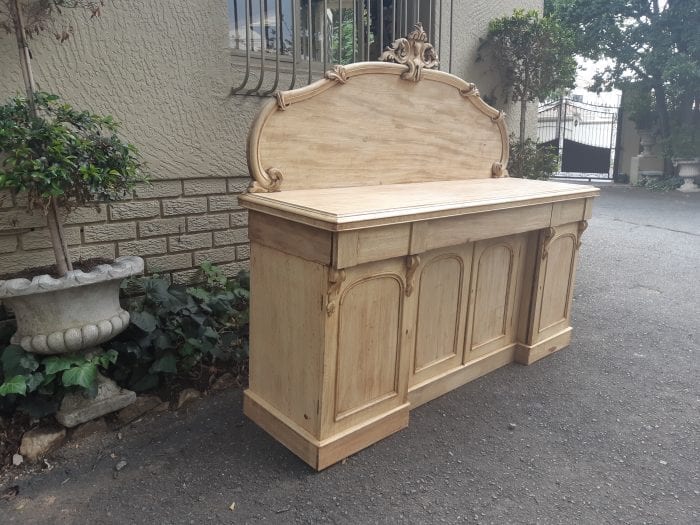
(171, 72)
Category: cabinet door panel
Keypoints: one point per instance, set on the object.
(556, 276)
(369, 339)
(557, 281)
(443, 281)
(495, 271)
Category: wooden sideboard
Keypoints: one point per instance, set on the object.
(392, 258)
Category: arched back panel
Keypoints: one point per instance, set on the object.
(366, 125)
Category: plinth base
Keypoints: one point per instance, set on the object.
(322, 454)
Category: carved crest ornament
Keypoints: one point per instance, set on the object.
(414, 51)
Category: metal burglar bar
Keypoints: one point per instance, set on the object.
(283, 44)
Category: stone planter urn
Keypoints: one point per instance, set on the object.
(688, 170)
(76, 312)
(647, 140)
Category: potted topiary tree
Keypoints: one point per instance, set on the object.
(63, 158)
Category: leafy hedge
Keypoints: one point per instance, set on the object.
(173, 329)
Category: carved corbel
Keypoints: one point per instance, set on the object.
(412, 262)
(581, 228)
(335, 280)
(414, 52)
(271, 182)
(338, 74)
(547, 237)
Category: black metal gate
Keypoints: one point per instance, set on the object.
(584, 135)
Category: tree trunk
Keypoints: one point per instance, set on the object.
(664, 127)
(523, 112)
(58, 242)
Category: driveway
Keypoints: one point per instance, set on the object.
(606, 431)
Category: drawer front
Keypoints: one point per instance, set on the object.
(453, 231)
(372, 244)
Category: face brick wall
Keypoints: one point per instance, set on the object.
(175, 225)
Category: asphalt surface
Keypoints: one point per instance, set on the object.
(606, 431)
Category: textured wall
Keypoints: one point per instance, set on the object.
(164, 71)
(470, 22)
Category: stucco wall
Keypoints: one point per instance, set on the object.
(163, 69)
(470, 22)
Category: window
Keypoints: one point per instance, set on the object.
(300, 39)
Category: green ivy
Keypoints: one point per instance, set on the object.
(36, 384)
(174, 328)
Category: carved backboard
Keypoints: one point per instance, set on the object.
(365, 124)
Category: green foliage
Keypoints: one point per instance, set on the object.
(36, 384)
(530, 160)
(68, 156)
(174, 328)
(638, 104)
(534, 54)
(654, 45)
(343, 36)
(660, 183)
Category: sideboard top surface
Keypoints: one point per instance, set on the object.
(348, 208)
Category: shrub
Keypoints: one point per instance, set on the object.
(530, 160)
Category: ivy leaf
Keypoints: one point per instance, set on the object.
(144, 320)
(34, 381)
(104, 360)
(59, 363)
(166, 364)
(14, 385)
(83, 375)
(210, 333)
(29, 363)
(11, 359)
(199, 293)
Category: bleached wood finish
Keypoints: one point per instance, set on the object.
(392, 259)
(321, 136)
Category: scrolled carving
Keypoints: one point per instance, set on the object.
(271, 182)
(335, 280)
(549, 234)
(499, 116)
(470, 91)
(414, 51)
(582, 226)
(281, 102)
(338, 74)
(412, 263)
(498, 171)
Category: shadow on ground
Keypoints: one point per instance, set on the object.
(606, 431)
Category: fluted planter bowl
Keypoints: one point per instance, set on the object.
(71, 313)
